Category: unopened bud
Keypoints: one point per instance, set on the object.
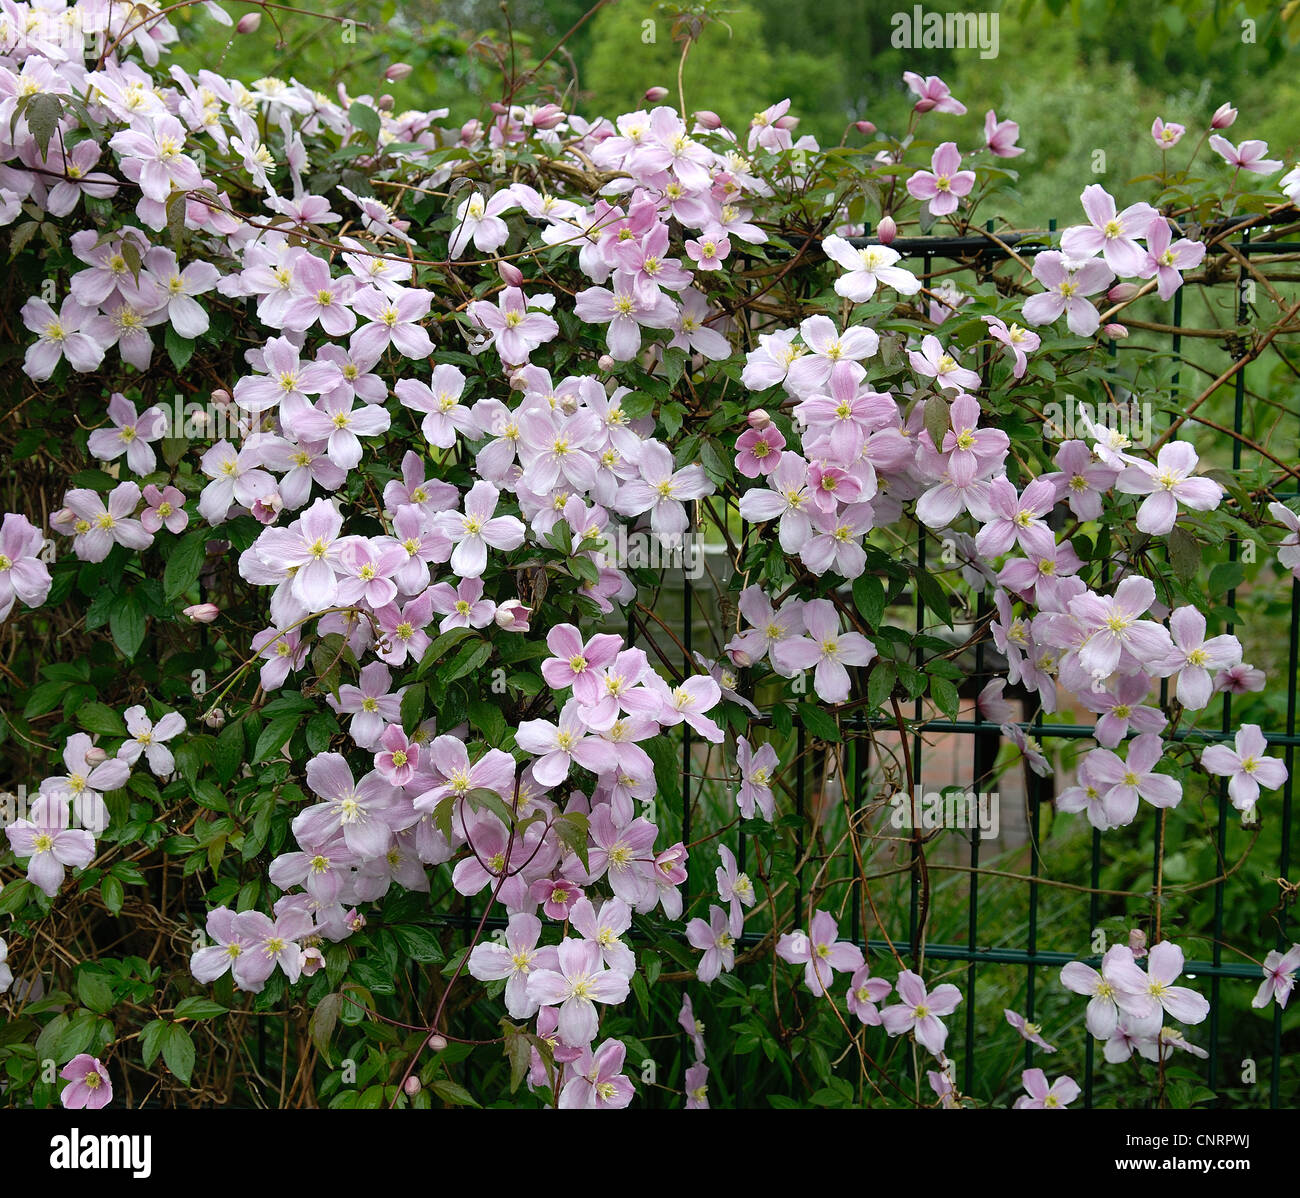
(1137, 942)
(887, 230)
(605, 362)
(248, 23)
(95, 756)
(1122, 292)
(656, 94)
(412, 1086)
(548, 116)
(510, 274)
(221, 397)
(866, 128)
(216, 718)
(1223, 116)
(203, 613)
(1116, 332)
(398, 71)
(512, 616)
(706, 118)
(384, 103)
(437, 1043)
(786, 122)
(758, 419)
(499, 108)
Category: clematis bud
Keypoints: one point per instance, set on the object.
(266, 508)
(412, 1086)
(1223, 116)
(513, 616)
(866, 128)
(605, 362)
(1121, 292)
(203, 613)
(221, 397)
(398, 71)
(548, 116)
(758, 419)
(437, 1043)
(499, 108)
(1116, 332)
(95, 756)
(654, 95)
(510, 274)
(385, 103)
(887, 230)
(216, 718)
(1137, 942)
(248, 23)
(708, 119)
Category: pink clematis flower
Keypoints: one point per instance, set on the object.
(1166, 259)
(717, 942)
(1279, 977)
(1018, 340)
(559, 746)
(516, 960)
(477, 529)
(918, 1011)
(1028, 1031)
(1110, 233)
(758, 451)
(100, 525)
(462, 606)
(932, 93)
(370, 704)
(1245, 766)
(578, 982)
(398, 757)
(1001, 136)
(734, 888)
(697, 1087)
(515, 329)
(1039, 1097)
(1166, 483)
(165, 508)
(829, 650)
(1142, 995)
(130, 435)
(60, 337)
(1249, 156)
(596, 1081)
(22, 573)
(820, 952)
(1068, 282)
(49, 844)
(557, 896)
(394, 318)
(1123, 782)
(866, 267)
(865, 992)
(576, 664)
(149, 738)
(944, 184)
(941, 365)
(90, 1089)
(1193, 657)
(756, 771)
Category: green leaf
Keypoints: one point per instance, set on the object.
(880, 683)
(413, 706)
(1184, 553)
(936, 419)
(366, 119)
(43, 113)
(113, 894)
(178, 1052)
(179, 349)
(1225, 577)
(184, 564)
(818, 723)
(100, 718)
(489, 719)
(151, 1037)
(572, 830)
(449, 1091)
(945, 696)
(274, 736)
(323, 1021)
(469, 659)
(126, 622)
(933, 595)
(869, 596)
(94, 991)
(198, 1008)
(419, 943)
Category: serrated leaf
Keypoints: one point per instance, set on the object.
(43, 112)
(126, 623)
(880, 683)
(818, 723)
(198, 1008)
(450, 1092)
(100, 718)
(151, 1037)
(945, 696)
(178, 1052)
